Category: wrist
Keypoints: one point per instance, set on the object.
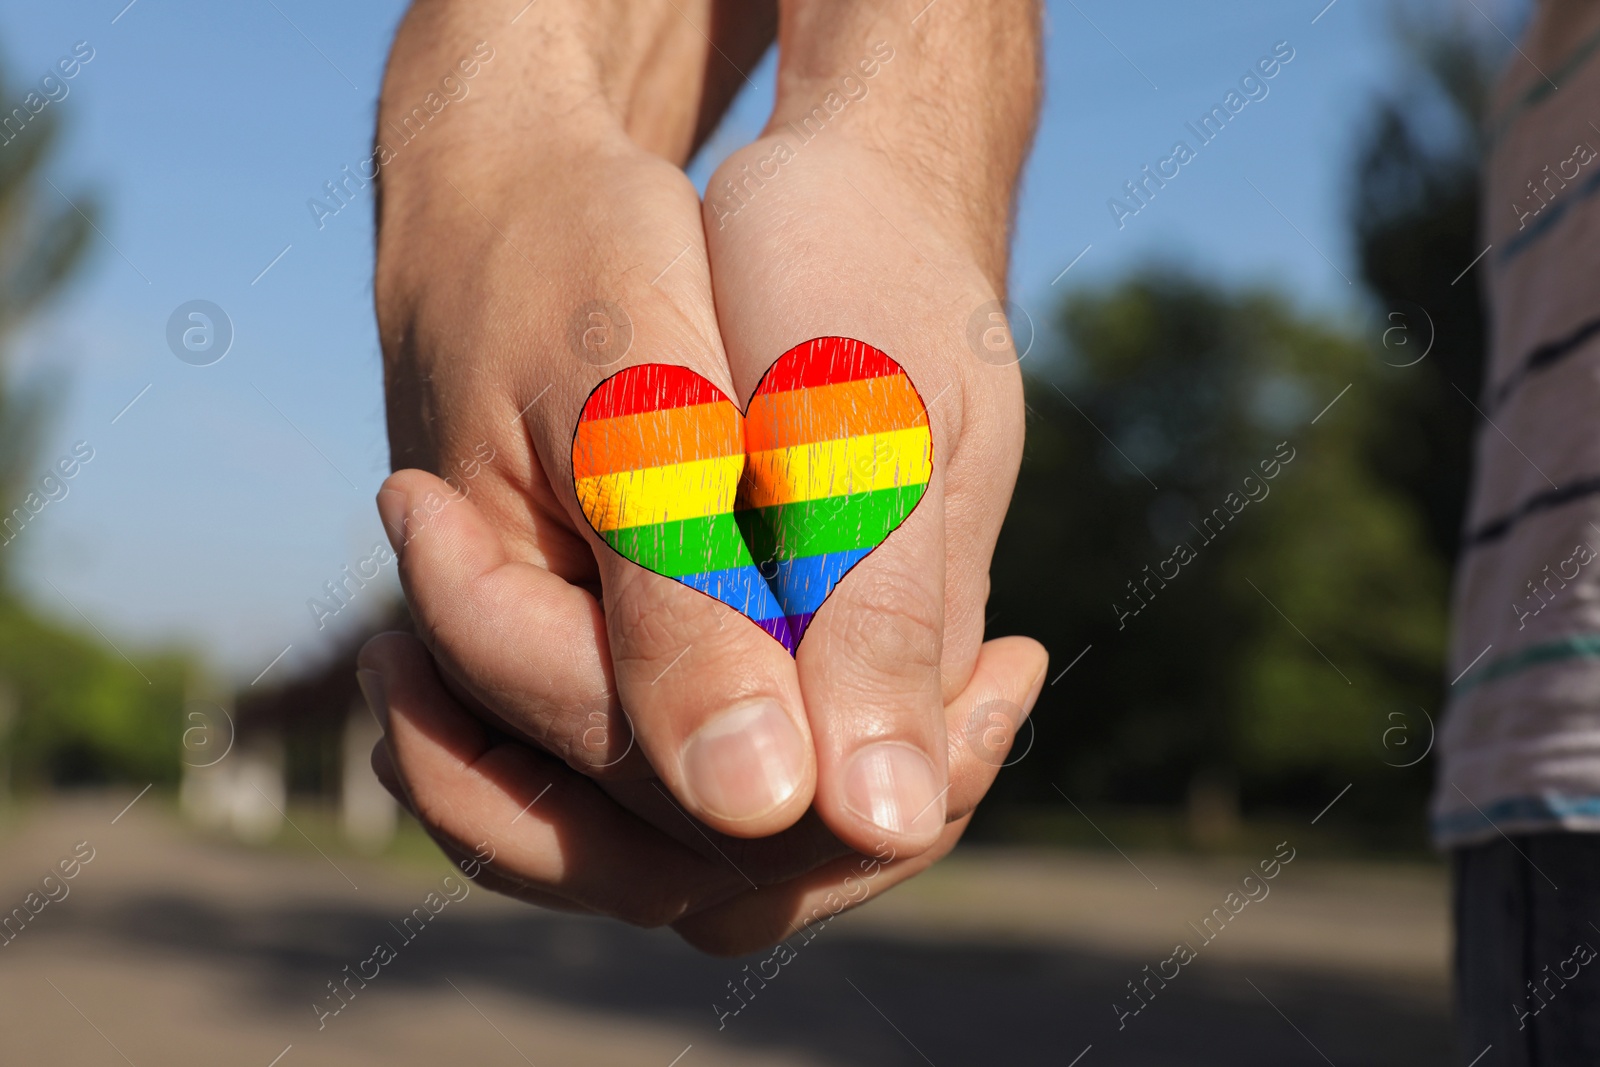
(947, 101)
(658, 71)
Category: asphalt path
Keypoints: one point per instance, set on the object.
(175, 948)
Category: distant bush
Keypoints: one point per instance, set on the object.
(80, 712)
(1258, 595)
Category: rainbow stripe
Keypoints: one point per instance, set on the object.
(767, 511)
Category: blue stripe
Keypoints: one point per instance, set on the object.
(1548, 219)
(1542, 91)
(1520, 814)
(796, 588)
(741, 588)
(802, 584)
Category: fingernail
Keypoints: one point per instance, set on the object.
(1033, 692)
(893, 786)
(745, 762)
(392, 513)
(371, 683)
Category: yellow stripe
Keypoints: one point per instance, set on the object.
(835, 468)
(653, 495)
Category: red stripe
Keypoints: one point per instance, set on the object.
(826, 361)
(648, 387)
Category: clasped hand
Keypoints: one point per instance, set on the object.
(620, 743)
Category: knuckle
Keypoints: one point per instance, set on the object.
(655, 618)
(889, 622)
(594, 742)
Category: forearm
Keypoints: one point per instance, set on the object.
(954, 101)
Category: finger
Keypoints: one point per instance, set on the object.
(982, 723)
(504, 628)
(713, 696)
(976, 728)
(869, 670)
(760, 861)
(547, 826)
(383, 767)
(987, 725)
(715, 702)
(765, 859)
(796, 910)
(845, 482)
(870, 664)
(471, 864)
(528, 647)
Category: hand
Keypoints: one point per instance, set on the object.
(471, 268)
(876, 205)
(549, 835)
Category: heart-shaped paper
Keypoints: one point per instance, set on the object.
(765, 511)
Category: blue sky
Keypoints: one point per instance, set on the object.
(227, 494)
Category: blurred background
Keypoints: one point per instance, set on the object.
(185, 311)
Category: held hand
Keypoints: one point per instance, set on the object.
(851, 216)
(487, 299)
(544, 833)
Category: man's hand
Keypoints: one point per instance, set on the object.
(537, 205)
(876, 205)
(554, 193)
(544, 833)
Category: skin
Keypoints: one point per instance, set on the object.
(545, 659)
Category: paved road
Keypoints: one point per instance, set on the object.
(174, 949)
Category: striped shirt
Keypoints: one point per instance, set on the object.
(1520, 746)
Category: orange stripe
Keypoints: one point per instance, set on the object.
(656, 439)
(829, 412)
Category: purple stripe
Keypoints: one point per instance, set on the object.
(787, 630)
(779, 630)
(797, 626)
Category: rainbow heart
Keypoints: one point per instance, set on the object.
(764, 511)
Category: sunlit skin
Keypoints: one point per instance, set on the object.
(556, 187)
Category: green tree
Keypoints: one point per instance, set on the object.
(1290, 627)
(86, 715)
(1355, 544)
(70, 709)
(42, 241)
(1414, 217)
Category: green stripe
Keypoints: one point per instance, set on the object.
(1579, 646)
(1542, 90)
(687, 546)
(784, 531)
(831, 524)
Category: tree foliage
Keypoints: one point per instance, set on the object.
(1309, 602)
(1414, 219)
(1284, 653)
(71, 709)
(84, 713)
(42, 241)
